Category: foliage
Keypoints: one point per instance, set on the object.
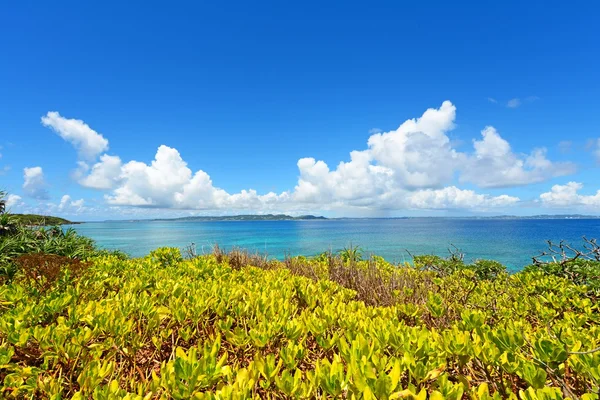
(580, 271)
(18, 239)
(166, 256)
(3, 195)
(39, 220)
(580, 266)
(351, 254)
(483, 269)
(209, 327)
(46, 240)
(42, 271)
(8, 224)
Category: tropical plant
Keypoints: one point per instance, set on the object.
(2, 202)
(351, 253)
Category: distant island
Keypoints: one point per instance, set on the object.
(263, 217)
(40, 220)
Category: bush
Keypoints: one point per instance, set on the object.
(579, 271)
(166, 256)
(441, 266)
(42, 271)
(487, 269)
(581, 267)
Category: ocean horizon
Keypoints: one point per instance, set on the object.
(512, 242)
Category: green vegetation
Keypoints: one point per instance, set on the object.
(89, 324)
(40, 220)
(235, 326)
(19, 238)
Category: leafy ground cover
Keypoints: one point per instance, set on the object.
(235, 326)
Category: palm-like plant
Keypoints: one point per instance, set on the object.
(2, 202)
(351, 254)
(7, 224)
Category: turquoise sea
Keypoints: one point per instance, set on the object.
(511, 241)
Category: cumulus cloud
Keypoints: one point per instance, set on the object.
(419, 151)
(71, 206)
(415, 166)
(494, 164)
(12, 200)
(168, 182)
(453, 197)
(568, 196)
(34, 183)
(88, 142)
(105, 174)
(357, 182)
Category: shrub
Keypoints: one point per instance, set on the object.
(42, 271)
(487, 269)
(441, 266)
(578, 271)
(166, 256)
(581, 267)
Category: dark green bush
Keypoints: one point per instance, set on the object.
(578, 271)
(487, 269)
(439, 265)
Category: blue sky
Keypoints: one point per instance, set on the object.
(244, 96)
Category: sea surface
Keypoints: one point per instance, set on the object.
(512, 241)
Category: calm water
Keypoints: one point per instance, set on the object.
(511, 242)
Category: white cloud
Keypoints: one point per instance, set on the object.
(419, 152)
(34, 184)
(12, 200)
(414, 166)
(493, 164)
(492, 100)
(356, 183)
(88, 142)
(105, 174)
(453, 197)
(568, 196)
(168, 182)
(71, 206)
